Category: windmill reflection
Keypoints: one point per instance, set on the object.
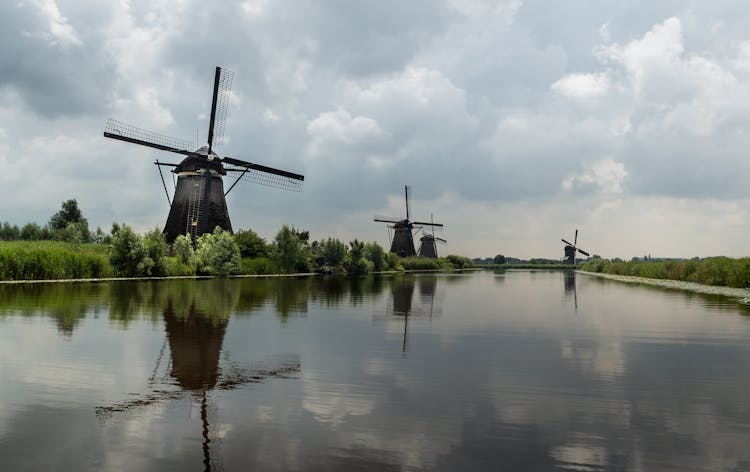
(402, 304)
(195, 341)
(569, 280)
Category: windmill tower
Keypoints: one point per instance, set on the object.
(199, 201)
(402, 243)
(570, 250)
(428, 246)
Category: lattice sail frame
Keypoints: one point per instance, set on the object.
(118, 128)
(266, 179)
(223, 99)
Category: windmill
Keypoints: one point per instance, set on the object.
(428, 246)
(403, 240)
(199, 201)
(570, 250)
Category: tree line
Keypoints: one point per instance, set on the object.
(123, 252)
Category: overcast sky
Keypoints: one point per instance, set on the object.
(514, 121)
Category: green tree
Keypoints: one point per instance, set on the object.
(9, 232)
(217, 253)
(499, 259)
(155, 261)
(31, 232)
(334, 252)
(291, 250)
(69, 213)
(183, 248)
(127, 252)
(375, 253)
(357, 262)
(251, 245)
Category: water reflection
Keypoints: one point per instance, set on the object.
(195, 323)
(571, 293)
(498, 375)
(402, 305)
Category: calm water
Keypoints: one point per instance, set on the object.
(515, 371)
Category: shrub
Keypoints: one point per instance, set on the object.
(291, 250)
(251, 245)
(258, 266)
(217, 253)
(127, 252)
(183, 249)
(374, 253)
(333, 252)
(155, 246)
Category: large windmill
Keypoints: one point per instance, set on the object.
(199, 201)
(570, 250)
(403, 239)
(428, 246)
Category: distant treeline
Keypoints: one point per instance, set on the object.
(65, 249)
(722, 271)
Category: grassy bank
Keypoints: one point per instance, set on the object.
(57, 260)
(720, 271)
(42, 260)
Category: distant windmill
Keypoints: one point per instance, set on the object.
(403, 239)
(428, 246)
(199, 202)
(570, 250)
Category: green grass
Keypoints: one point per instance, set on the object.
(720, 271)
(45, 260)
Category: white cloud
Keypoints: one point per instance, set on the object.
(341, 128)
(582, 86)
(59, 30)
(606, 175)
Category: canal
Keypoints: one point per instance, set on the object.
(516, 370)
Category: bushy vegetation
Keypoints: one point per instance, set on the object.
(65, 248)
(218, 253)
(722, 271)
(47, 260)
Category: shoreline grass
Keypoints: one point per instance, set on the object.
(717, 271)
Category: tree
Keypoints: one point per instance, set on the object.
(333, 251)
(155, 261)
(358, 264)
(127, 252)
(291, 250)
(375, 253)
(499, 259)
(69, 213)
(217, 253)
(251, 245)
(183, 248)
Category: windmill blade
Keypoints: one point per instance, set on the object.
(387, 219)
(569, 244)
(132, 134)
(439, 225)
(264, 175)
(441, 240)
(583, 252)
(219, 106)
(575, 239)
(408, 201)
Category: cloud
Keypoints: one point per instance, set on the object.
(582, 86)
(605, 176)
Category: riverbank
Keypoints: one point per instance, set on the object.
(742, 295)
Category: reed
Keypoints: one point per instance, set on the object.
(720, 271)
(46, 260)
